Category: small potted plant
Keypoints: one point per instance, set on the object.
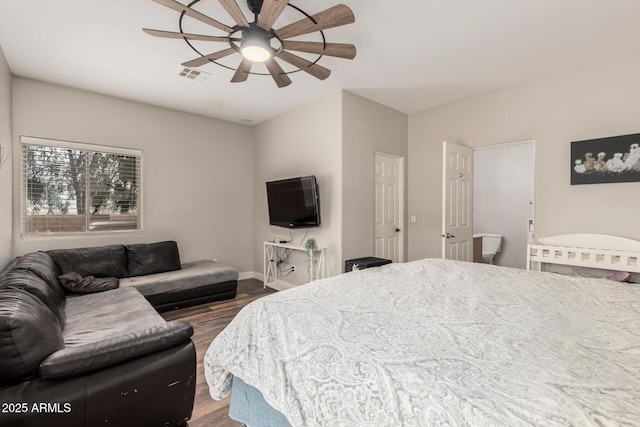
(311, 247)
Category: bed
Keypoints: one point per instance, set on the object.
(438, 342)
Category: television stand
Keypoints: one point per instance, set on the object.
(271, 272)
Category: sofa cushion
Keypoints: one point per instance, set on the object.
(77, 360)
(29, 332)
(192, 275)
(151, 258)
(101, 261)
(110, 327)
(50, 296)
(106, 315)
(73, 282)
(42, 265)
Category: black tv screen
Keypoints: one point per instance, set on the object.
(294, 202)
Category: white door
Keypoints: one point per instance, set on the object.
(388, 194)
(457, 202)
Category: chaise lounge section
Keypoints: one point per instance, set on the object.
(155, 270)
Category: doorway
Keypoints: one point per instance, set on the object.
(503, 197)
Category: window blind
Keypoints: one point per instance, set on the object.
(75, 188)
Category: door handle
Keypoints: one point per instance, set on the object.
(448, 236)
(397, 229)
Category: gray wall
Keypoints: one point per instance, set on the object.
(502, 190)
(367, 127)
(304, 141)
(597, 101)
(215, 171)
(333, 138)
(593, 102)
(197, 171)
(5, 172)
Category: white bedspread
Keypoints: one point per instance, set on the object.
(437, 342)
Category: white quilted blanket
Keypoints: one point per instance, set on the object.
(436, 342)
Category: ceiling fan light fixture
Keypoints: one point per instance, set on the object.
(256, 48)
(258, 42)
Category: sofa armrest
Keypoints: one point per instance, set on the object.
(73, 361)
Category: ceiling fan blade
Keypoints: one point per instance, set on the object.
(271, 10)
(333, 17)
(340, 50)
(174, 35)
(198, 62)
(277, 73)
(172, 4)
(317, 71)
(242, 73)
(234, 10)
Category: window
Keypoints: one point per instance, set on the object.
(71, 188)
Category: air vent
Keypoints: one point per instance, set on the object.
(192, 74)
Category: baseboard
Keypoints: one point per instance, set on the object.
(250, 275)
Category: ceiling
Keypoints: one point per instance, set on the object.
(412, 54)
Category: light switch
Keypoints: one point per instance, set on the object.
(413, 218)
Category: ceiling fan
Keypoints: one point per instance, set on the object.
(257, 41)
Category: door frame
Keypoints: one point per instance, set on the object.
(531, 141)
(401, 200)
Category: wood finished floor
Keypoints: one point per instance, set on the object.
(208, 320)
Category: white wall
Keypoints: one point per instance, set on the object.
(502, 192)
(5, 172)
(197, 171)
(367, 127)
(598, 101)
(305, 141)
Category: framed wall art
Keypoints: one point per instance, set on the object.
(606, 160)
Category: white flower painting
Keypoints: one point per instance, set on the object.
(606, 160)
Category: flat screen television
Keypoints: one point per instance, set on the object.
(294, 202)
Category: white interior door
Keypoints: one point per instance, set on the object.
(457, 202)
(388, 202)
